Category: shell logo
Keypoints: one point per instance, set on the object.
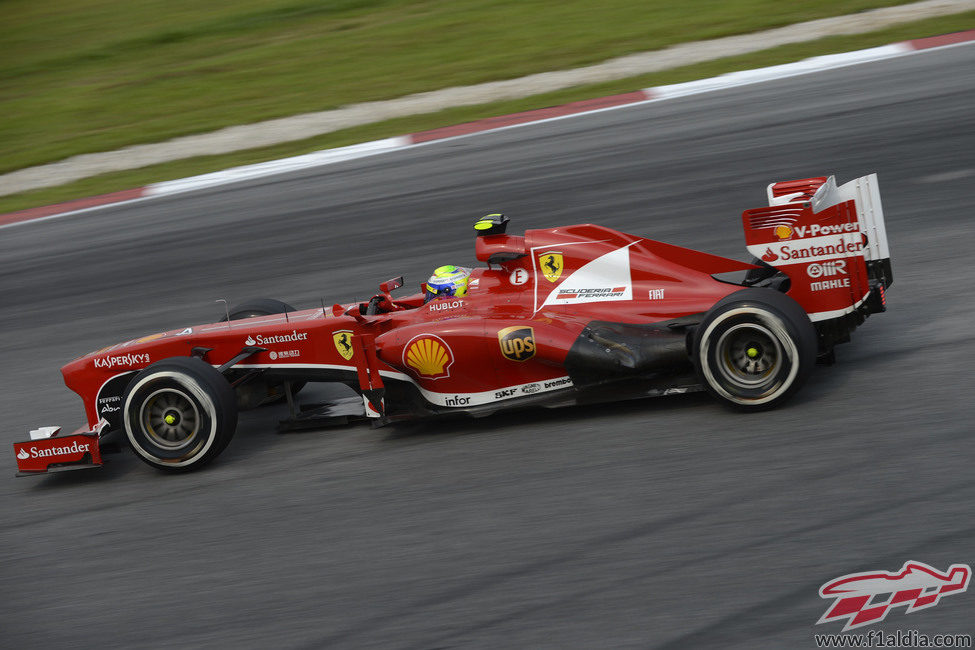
(783, 232)
(429, 356)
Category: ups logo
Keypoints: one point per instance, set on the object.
(517, 343)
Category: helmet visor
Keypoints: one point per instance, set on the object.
(444, 290)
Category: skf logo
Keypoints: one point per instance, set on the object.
(429, 356)
(517, 343)
(343, 343)
(551, 265)
(916, 585)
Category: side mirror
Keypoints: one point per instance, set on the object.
(389, 285)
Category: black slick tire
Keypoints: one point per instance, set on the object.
(179, 414)
(258, 307)
(754, 349)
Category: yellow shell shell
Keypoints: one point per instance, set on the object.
(428, 357)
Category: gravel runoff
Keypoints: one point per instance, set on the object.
(299, 127)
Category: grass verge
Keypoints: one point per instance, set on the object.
(96, 75)
(188, 167)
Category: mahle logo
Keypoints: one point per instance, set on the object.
(517, 343)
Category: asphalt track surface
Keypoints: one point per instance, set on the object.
(666, 523)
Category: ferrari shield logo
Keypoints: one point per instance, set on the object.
(343, 343)
(551, 265)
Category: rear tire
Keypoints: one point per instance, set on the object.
(179, 414)
(754, 349)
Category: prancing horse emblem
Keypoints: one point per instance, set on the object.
(343, 343)
(551, 265)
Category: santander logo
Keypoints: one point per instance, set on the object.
(769, 256)
(41, 452)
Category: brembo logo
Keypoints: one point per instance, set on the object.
(260, 339)
(865, 598)
(121, 360)
(73, 448)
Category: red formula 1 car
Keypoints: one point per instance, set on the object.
(560, 316)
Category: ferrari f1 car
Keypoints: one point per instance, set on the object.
(568, 315)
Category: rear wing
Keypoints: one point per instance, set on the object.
(829, 240)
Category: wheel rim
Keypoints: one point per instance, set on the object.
(738, 385)
(170, 419)
(748, 355)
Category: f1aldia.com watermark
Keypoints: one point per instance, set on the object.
(896, 639)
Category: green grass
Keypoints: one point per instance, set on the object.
(78, 76)
(179, 169)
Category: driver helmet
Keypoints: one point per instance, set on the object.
(447, 282)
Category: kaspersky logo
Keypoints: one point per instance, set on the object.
(429, 356)
(866, 598)
(121, 360)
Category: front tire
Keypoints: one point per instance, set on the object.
(257, 307)
(754, 349)
(179, 414)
